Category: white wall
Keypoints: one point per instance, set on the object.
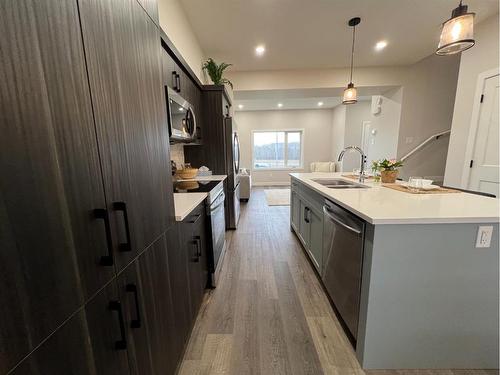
(355, 115)
(427, 109)
(338, 132)
(480, 58)
(316, 123)
(175, 24)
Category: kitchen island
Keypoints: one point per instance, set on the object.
(426, 296)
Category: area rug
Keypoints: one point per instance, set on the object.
(278, 197)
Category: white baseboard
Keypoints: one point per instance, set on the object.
(271, 183)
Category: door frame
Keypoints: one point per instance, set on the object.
(474, 123)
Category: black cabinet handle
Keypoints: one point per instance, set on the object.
(121, 206)
(174, 79)
(120, 344)
(196, 257)
(197, 239)
(135, 323)
(306, 210)
(101, 213)
(178, 83)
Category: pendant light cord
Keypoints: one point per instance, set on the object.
(352, 49)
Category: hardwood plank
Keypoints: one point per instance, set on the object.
(216, 355)
(272, 344)
(245, 351)
(303, 356)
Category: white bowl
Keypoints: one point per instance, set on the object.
(426, 183)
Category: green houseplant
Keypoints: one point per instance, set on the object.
(215, 71)
(388, 169)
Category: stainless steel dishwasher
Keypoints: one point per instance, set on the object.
(343, 239)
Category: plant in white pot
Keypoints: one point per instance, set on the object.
(215, 72)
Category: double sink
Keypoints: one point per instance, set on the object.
(337, 183)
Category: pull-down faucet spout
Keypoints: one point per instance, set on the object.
(363, 160)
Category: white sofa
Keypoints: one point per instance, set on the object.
(323, 166)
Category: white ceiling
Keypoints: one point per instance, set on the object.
(302, 34)
(263, 100)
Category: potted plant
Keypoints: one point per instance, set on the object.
(215, 71)
(388, 169)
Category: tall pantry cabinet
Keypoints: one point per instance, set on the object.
(85, 193)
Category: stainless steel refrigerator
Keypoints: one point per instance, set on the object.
(232, 166)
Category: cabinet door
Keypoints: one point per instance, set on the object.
(85, 344)
(123, 57)
(50, 241)
(295, 211)
(177, 265)
(153, 270)
(316, 238)
(304, 224)
(169, 70)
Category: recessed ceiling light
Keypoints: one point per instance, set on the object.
(381, 45)
(240, 106)
(280, 105)
(259, 50)
(320, 104)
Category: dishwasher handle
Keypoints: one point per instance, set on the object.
(329, 213)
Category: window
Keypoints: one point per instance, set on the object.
(277, 149)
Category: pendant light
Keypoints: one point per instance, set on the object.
(350, 93)
(457, 34)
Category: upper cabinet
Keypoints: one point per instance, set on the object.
(123, 57)
(53, 246)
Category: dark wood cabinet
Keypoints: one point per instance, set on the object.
(90, 342)
(193, 235)
(151, 8)
(179, 282)
(123, 58)
(51, 242)
(146, 295)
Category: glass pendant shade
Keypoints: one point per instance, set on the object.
(457, 34)
(350, 94)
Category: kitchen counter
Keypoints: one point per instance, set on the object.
(185, 203)
(381, 205)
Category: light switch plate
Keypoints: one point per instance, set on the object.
(484, 234)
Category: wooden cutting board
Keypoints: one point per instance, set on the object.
(356, 177)
(404, 189)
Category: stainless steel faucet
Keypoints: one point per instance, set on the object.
(363, 160)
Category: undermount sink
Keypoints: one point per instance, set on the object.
(337, 183)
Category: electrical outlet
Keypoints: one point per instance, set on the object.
(484, 234)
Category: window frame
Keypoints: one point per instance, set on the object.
(301, 161)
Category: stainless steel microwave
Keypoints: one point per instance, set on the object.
(181, 118)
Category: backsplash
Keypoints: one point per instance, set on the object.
(177, 154)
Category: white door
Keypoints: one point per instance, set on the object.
(485, 170)
(366, 141)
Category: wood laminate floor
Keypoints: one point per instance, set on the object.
(269, 314)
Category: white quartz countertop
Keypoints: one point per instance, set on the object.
(185, 203)
(381, 205)
(220, 177)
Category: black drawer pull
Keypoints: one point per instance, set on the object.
(135, 323)
(178, 84)
(121, 206)
(174, 80)
(117, 306)
(106, 260)
(198, 245)
(306, 211)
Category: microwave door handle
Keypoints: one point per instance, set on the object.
(193, 118)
